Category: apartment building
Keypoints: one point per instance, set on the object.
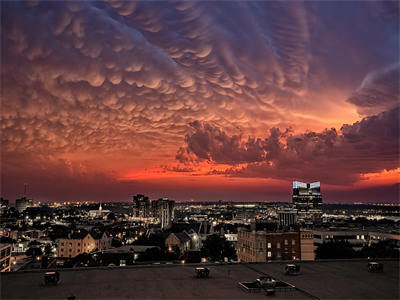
(262, 246)
(82, 242)
(5, 257)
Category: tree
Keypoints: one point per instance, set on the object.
(48, 249)
(217, 248)
(382, 249)
(116, 243)
(111, 216)
(84, 260)
(336, 250)
(151, 254)
(33, 252)
(6, 240)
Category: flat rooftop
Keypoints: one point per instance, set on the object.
(323, 280)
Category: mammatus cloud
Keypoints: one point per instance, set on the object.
(378, 92)
(112, 86)
(367, 146)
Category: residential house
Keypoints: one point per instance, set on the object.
(181, 240)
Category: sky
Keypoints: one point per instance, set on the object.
(199, 100)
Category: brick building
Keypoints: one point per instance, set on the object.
(262, 246)
(5, 257)
(82, 242)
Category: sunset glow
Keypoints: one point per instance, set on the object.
(199, 100)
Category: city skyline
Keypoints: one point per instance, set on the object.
(207, 101)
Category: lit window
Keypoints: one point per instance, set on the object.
(286, 242)
(269, 253)
(278, 245)
(269, 245)
(293, 242)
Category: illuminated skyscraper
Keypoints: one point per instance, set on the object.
(307, 196)
(141, 206)
(163, 210)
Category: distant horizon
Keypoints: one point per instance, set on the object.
(36, 200)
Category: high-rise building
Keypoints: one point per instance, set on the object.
(287, 217)
(23, 203)
(3, 205)
(4, 202)
(307, 196)
(163, 210)
(141, 206)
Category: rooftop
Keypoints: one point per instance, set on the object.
(328, 279)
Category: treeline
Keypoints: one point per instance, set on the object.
(344, 250)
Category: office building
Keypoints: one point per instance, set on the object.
(141, 206)
(307, 196)
(287, 217)
(5, 257)
(163, 211)
(23, 203)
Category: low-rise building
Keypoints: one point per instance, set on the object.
(5, 257)
(262, 246)
(102, 240)
(82, 242)
(357, 239)
(181, 240)
(20, 246)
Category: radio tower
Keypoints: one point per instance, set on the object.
(25, 189)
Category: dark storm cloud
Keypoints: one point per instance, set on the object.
(137, 69)
(367, 146)
(378, 92)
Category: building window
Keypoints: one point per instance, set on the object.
(269, 245)
(269, 253)
(293, 242)
(70, 250)
(79, 250)
(286, 242)
(62, 243)
(278, 245)
(79, 244)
